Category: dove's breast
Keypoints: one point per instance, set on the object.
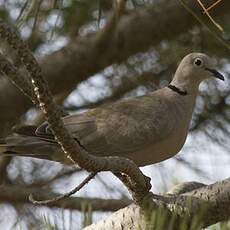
(172, 144)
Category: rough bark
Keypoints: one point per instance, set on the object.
(211, 204)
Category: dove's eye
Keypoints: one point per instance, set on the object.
(198, 62)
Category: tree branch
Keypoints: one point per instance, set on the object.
(65, 195)
(16, 194)
(209, 203)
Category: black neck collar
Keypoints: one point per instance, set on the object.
(177, 90)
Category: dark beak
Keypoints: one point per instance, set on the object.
(215, 73)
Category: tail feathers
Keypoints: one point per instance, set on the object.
(23, 146)
(6, 150)
(30, 146)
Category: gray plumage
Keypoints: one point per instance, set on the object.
(146, 129)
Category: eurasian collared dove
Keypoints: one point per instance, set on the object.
(146, 129)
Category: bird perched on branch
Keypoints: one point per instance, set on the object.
(146, 129)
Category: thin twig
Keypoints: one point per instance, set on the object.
(217, 37)
(213, 5)
(58, 7)
(209, 16)
(22, 10)
(24, 15)
(36, 18)
(66, 195)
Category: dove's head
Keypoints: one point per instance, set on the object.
(193, 69)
